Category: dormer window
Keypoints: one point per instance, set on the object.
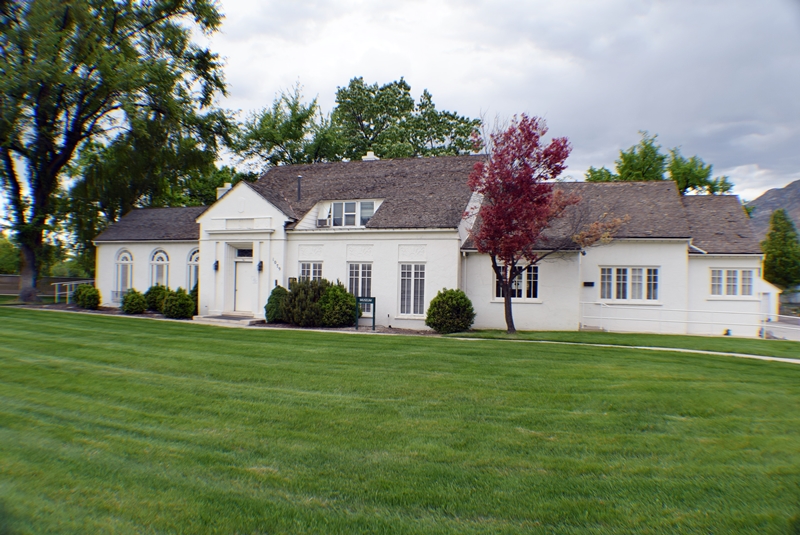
(349, 214)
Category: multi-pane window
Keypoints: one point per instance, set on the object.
(194, 269)
(733, 281)
(606, 283)
(629, 283)
(351, 213)
(310, 271)
(124, 275)
(360, 283)
(412, 289)
(159, 268)
(526, 284)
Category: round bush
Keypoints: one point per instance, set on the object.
(275, 308)
(86, 296)
(155, 296)
(338, 307)
(133, 302)
(179, 305)
(450, 312)
(302, 304)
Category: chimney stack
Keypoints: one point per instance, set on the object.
(370, 157)
(223, 190)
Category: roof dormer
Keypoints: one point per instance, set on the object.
(346, 214)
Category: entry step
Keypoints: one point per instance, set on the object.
(228, 320)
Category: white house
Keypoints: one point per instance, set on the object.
(399, 231)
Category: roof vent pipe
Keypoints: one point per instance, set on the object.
(299, 179)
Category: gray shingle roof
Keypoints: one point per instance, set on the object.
(417, 192)
(155, 224)
(719, 225)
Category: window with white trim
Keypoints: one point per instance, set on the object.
(732, 282)
(159, 268)
(124, 278)
(629, 283)
(412, 289)
(524, 286)
(350, 213)
(360, 282)
(194, 269)
(310, 271)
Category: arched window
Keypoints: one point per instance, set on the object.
(159, 268)
(194, 269)
(124, 275)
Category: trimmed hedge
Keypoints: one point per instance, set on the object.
(133, 302)
(86, 296)
(178, 305)
(155, 296)
(338, 306)
(450, 312)
(302, 303)
(275, 309)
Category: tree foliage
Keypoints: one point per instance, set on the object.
(9, 257)
(93, 70)
(781, 252)
(645, 161)
(520, 203)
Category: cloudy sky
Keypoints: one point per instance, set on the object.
(720, 79)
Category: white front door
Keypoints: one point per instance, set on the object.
(244, 287)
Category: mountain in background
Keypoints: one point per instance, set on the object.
(787, 198)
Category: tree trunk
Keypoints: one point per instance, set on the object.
(507, 303)
(27, 274)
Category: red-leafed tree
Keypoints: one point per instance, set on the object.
(519, 203)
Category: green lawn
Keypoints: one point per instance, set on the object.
(118, 425)
(752, 346)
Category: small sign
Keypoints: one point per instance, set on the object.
(365, 301)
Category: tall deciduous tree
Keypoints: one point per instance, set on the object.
(781, 252)
(645, 161)
(72, 72)
(385, 119)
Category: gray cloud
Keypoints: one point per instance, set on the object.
(716, 78)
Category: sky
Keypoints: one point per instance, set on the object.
(718, 79)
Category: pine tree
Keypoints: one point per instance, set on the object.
(781, 252)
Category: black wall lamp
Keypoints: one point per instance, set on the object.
(216, 265)
(260, 266)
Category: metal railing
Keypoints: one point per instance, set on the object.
(67, 288)
(656, 319)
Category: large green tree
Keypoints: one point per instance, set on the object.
(77, 71)
(386, 120)
(645, 161)
(781, 252)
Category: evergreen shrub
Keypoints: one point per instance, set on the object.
(155, 296)
(195, 295)
(337, 306)
(86, 296)
(302, 303)
(450, 312)
(275, 308)
(133, 302)
(178, 305)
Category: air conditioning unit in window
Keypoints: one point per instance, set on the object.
(322, 223)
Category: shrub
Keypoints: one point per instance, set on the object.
(302, 303)
(155, 296)
(133, 302)
(86, 296)
(178, 305)
(338, 306)
(275, 308)
(195, 294)
(450, 312)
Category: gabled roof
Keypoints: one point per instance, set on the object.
(654, 210)
(720, 225)
(155, 224)
(417, 192)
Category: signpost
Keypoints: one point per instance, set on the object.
(365, 301)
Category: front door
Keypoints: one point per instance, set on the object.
(243, 287)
